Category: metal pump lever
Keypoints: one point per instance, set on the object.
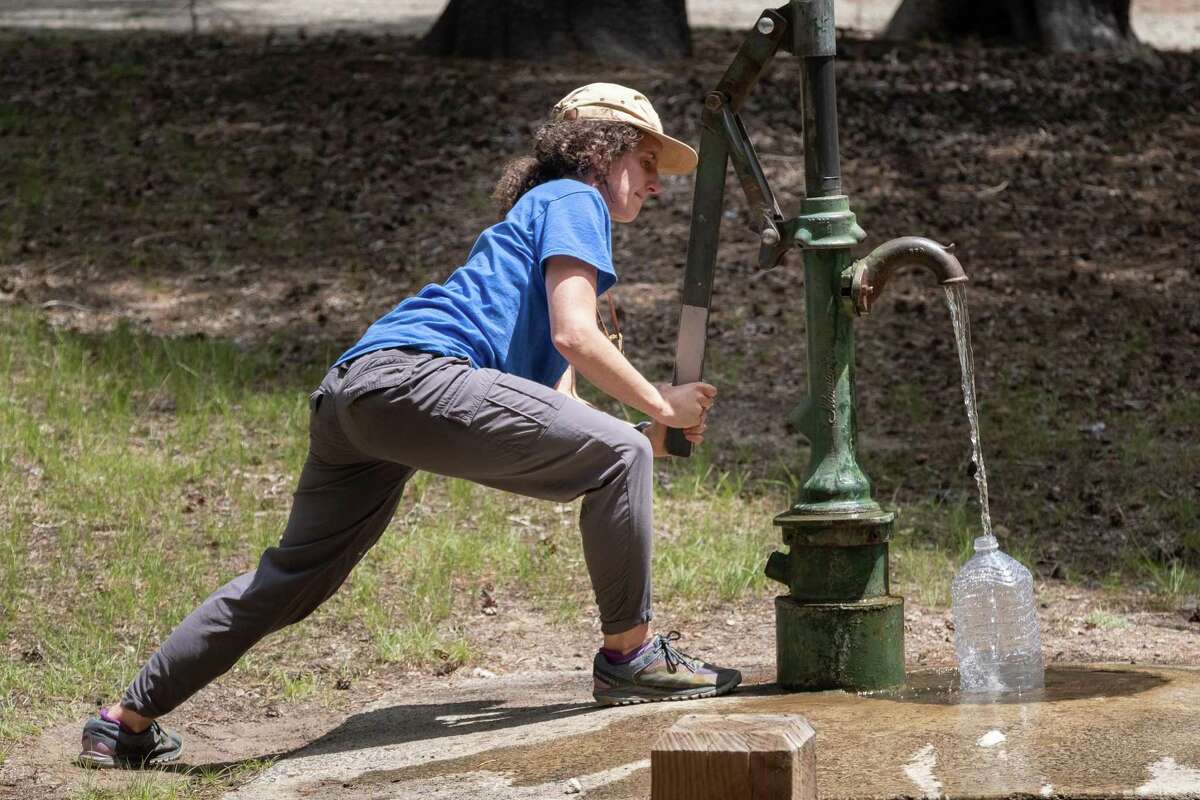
(723, 139)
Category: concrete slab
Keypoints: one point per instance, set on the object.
(1096, 730)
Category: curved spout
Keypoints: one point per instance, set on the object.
(863, 281)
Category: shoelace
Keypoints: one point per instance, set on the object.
(672, 656)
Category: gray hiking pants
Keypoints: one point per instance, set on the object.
(373, 424)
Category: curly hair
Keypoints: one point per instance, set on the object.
(578, 149)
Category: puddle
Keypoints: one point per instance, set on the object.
(1062, 684)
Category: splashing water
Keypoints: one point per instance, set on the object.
(956, 298)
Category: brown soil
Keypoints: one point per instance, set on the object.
(264, 188)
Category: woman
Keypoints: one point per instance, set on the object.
(474, 378)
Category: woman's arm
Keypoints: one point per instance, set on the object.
(571, 291)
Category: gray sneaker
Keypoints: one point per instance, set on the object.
(659, 672)
(106, 744)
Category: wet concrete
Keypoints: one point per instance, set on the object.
(1093, 731)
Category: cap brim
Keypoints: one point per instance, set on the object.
(675, 158)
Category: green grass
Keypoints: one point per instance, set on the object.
(1170, 582)
(1107, 621)
(141, 787)
(195, 783)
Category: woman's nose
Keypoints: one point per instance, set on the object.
(652, 186)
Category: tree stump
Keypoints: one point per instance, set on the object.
(1062, 25)
(735, 757)
(632, 31)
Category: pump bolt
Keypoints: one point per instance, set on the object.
(770, 236)
(766, 26)
(714, 101)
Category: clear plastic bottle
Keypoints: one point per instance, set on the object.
(996, 635)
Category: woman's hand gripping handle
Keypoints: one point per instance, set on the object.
(683, 429)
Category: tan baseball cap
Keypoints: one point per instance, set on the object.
(610, 101)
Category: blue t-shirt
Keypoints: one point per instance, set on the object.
(493, 309)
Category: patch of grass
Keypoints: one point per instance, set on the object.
(298, 686)
(1138, 445)
(717, 549)
(200, 782)
(923, 571)
(934, 539)
(1108, 621)
(1182, 513)
(140, 787)
(714, 532)
(950, 523)
(725, 368)
(1171, 582)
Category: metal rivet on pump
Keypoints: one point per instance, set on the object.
(766, 25)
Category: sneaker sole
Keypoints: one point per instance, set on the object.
(101, 761)
(629, 696)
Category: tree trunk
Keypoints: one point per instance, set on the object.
(1064, 25)
(542, 30)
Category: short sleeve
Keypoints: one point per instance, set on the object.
(578, 225)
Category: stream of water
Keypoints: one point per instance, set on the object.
(956, 298)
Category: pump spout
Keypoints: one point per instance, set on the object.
(863, 281)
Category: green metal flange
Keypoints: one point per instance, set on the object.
(853, 646)
(828, 222)
(842, 559)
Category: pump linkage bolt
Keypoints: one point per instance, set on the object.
(766, 26)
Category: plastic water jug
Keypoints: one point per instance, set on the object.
(996, 635)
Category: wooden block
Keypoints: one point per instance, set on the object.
(735, 757)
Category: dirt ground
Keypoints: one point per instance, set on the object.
(337, 173)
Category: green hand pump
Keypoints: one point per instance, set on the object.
(839, 627)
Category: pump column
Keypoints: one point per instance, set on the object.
(840, 627)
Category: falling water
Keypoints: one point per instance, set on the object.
(956, 298)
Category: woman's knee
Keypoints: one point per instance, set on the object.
(640, 450)
(628, 443)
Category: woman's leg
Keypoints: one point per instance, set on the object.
(343, 503)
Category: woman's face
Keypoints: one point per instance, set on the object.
(630, 180)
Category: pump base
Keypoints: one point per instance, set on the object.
(853, 646)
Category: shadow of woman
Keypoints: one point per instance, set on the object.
(396, 725)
